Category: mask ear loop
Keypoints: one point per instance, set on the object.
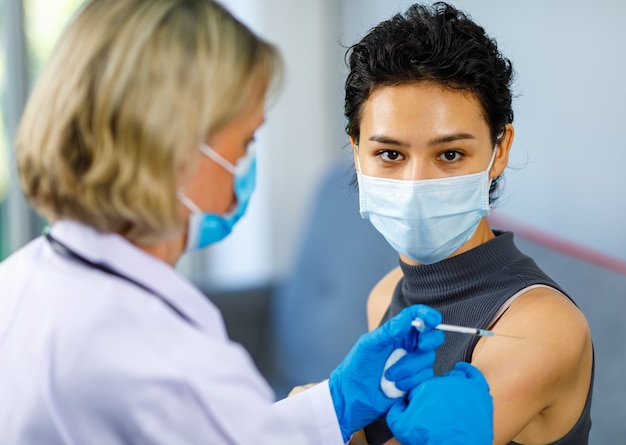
(490, 179)
(496, 147)
(493, 158)
(217, 158)
(243, 163)
(180, 194)
(184, 200)
(358, 160)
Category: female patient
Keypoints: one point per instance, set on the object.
(428, 105)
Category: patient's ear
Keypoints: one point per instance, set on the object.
(355, 151)
(503, 149)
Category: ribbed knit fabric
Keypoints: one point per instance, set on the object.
(468, 290)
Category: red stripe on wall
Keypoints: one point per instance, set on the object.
(561, 245)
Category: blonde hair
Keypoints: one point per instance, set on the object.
(129, 92)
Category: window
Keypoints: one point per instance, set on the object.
(4, 155)
(29, 29)
(43, 22)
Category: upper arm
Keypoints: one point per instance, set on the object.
(380, 297)
(539, 383)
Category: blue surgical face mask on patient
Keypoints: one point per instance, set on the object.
(204, 229)
(425, 220)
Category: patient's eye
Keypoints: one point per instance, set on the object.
(450, 156)
(390, 155)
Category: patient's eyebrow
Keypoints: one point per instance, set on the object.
(450, 138)
(446, 139)
(387, 141)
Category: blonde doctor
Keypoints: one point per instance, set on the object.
(134, 146)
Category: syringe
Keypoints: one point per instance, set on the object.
(389, 387)
(419, 325)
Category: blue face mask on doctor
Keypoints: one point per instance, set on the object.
(205, 228)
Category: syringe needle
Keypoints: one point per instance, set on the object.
(419, 325)
(497, 334)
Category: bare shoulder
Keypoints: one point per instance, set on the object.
(545, 315)
(544, 376)
(380, 297)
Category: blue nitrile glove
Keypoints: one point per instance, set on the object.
(355, 385)
(455, 409)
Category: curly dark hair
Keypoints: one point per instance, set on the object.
(438, 44)
(435, 43)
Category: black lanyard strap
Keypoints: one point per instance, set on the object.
(66, 252)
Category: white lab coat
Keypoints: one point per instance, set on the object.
(88, 358)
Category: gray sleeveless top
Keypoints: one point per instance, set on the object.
(469, 290)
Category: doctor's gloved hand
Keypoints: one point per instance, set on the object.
(368, 381)
(455, 409)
